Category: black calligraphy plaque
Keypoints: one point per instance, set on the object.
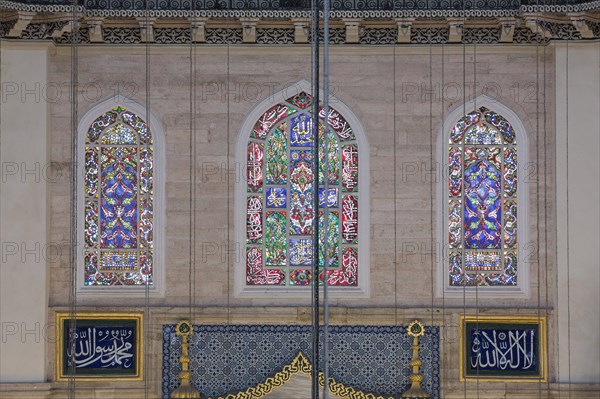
(96, 346)
(503, 348)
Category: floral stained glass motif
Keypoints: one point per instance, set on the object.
(280, 197)
(482, 203)
(119, 218)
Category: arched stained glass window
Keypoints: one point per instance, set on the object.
(482, 207)
(118, 204)
(279, 203)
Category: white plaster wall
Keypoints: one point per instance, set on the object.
(578, 212)
(23, 282)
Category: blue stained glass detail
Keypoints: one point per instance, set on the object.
(332, 198)
(301, 251)
(301, 194)
(118, 211)
(483, 134)
(482, 204)
(276, 197)
(301, 132)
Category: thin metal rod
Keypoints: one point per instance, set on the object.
(326, 198)
(74, 209)
(315, 267)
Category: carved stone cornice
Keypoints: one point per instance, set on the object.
(527, 28)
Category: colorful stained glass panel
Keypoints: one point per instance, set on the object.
(331, 234)
(99, 125)
(350, 168)
(275, 239)
(301, 194)
(301, 131)
(118, 205)
(254, 222)
(300, 277)
(510, 172)
(276, 197)
(119, 134)
(483, 134)
(332, 197)
(455, 171)
(256, 274)
(482, 211)
(338, 123)
(269, 119)
(118, 212)
(282, 176)
(301, 251)
(328, 157)
(277, 156)
(91, 171)
(482, 227)
(350, 219)
(255, 167)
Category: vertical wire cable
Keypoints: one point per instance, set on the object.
(555, 232)
(546, 254)
(192, 171)
(464, 282)
(441, 257)
(326, 198)
(431, 166)
(598, 97)
(395, 198)
(228, 188)
(475, 108)
(147, 286)
(433, 179)
(2, 15)
(74, 209)
(315, 267)
(568, 224)
(537, 155)
(195, 131)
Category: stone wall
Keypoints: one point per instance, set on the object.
(230, 81)
(401, 95)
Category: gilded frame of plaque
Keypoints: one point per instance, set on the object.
(114, 343)
(505, 342)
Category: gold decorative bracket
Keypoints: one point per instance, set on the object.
(184, 329)
(415, 330)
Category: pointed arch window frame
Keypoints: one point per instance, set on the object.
(241, 289)
(443, 287)
(157, 289)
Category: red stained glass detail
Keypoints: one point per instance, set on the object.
(256, 274)
(300, 277)
(269, 119)
(350, 168)
(350, 219)
(255, 167)
(338, 124)
(254, 220)
(301, 100)
(348, 275)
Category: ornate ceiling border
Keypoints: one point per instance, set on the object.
(488, 22)
(272, 9)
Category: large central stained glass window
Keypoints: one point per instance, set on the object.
(482, 207)
(118, 205)
(280, 207)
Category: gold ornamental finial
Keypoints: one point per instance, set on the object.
(416, 329)
(184, 329)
